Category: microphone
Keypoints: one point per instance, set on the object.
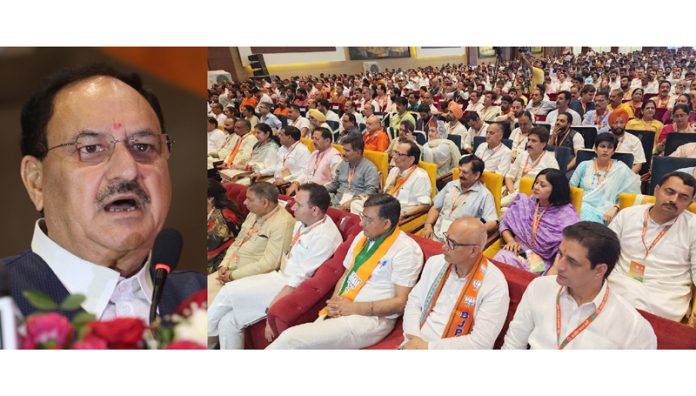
(165, 257)
(9, 313)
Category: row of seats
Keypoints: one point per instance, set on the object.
(304, 303)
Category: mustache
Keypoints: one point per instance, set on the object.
(121, 188)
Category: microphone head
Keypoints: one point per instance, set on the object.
(167, 249)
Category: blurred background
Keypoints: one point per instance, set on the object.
(176, 75)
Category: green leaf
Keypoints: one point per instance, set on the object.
(39, 300)
(81, 319)
(72, 302)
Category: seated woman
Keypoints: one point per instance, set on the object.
(681, 99)
(532, 228)
(264, 154)
(647, 122)
(680, 123)
(224, 221)
(636, 102)
(603, 179)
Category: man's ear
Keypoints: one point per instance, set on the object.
(600, 270)
(31, 171)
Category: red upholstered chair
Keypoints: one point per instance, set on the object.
(671, 334)
(237, 193)
(553, 96)
(539, 117)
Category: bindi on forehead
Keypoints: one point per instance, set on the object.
(117, 125)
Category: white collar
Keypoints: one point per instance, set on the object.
(96, 282)
(596, 301)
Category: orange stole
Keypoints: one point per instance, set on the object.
(356, 279)
(462, 317)
(399, 181)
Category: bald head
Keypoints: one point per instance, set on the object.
(468, 230)
(466, 239)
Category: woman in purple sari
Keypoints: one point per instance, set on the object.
(532, 228)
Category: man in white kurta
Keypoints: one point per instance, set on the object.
(528, 164)
(591, 314)
(493, 152)
(244, 302)
(463, 248)
(406, 181)
(371, 315)
(292, 158)
(661, 281)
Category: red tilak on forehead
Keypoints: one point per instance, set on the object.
(117, 125)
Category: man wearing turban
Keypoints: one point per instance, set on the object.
(627, 143)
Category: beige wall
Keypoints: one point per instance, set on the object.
(348, 67)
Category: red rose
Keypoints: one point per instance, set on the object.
(200, 298)
(94, 343)
(48, 331)
(119, 333)
(184, 345)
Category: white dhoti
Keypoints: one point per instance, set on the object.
(344, 332)
(241, 303)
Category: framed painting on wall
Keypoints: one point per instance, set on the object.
(362, 53)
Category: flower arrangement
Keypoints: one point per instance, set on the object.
(51, 329)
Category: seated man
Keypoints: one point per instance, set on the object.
(577, 309)
(476, 128)
(100, 210)
(291, 159)
(563, 136)
(687, 150)
(375, 138)
(323, 163)
(539, 106)
(401, 114)
(489, 111)
(295, 119)
(243, 146)
(627, 142)
(519, 135)
(474, 292)
(657, 266)
(464, 197)
(405, 135)
(616, 103)
(356, 177)
(268, 118)
(260, 244)
(494, 153)
(599, 117)
(216, 137)
(528, 164)
(246, 301)
(406, 182)
(349, 127)
(382, 265)
(562, 106)
(454, 127)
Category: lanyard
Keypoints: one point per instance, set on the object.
(599, 178)
(495, 150)
(564, 138)
(657, 238)
(351, 173)
(299, 233)
(536, 220)
(459, 201)
(582, 326)
(534, 164)
(317, 161)
(597, 120)
(290, 152)
(210, 213)
(254, 229)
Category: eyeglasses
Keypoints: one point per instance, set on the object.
(95, 148)
(453, 245)
(396, 153)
